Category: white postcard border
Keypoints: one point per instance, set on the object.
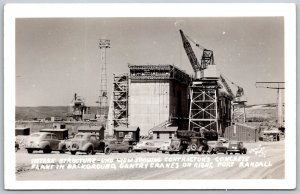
(13, 11)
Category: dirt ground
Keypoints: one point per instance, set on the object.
(264, 160)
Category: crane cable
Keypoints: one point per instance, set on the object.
(230, 81)
(197, 44)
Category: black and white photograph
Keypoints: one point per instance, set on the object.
(142, 96)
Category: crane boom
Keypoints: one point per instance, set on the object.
(227, 87)
(190, 53)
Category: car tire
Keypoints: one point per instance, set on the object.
(245, 151)
(107, 151)
(29, 151)
(89, 151)
(129, 150)
(163, 152)
(145, 151)
(241, 152)
(63, 150)
(73, 152)
(16, 149)
(228, 153)
(170, 152)
(233, 153)
(47, 150)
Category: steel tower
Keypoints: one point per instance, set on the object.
(102, 99)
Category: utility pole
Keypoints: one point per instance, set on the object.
(102, 99)
(279, 86)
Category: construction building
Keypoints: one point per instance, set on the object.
(78, 111)
(157, 93)
(164, 133)
(149, 96)
(241, 132)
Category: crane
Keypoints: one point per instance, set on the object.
(279, 86)
(208, 110)
(207, 59)
(207, 56)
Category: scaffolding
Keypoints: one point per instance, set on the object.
(203, 114)
(238, 111)
(120, 100)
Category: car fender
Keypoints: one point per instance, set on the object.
(43, 144)
(61, 145)
(86, 146)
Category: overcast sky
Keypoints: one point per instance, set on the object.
(57, 57)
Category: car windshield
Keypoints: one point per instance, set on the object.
(79, 136)
(35, 135)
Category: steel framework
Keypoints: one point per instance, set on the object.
(238, 112)
(203, 115)
(102, 99)
(120, 100)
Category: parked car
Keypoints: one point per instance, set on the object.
(223, 139)
(211, 135)
(178, 146)
(165, 146)
(88, 143)
(216, 147)
(45, 141)
(236, 147)
(120, 146)
(17, 146)
(197, 145)
(146, 146)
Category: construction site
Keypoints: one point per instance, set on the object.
(134, 98)
(161, 99)
(162, 96)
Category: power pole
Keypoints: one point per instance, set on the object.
(102, 99)
(279, 86)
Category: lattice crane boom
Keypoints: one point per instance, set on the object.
(190, 53)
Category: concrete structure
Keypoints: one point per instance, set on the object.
(156, 93)
(164, 133)
(130, 133)
(239, 132)
(271, 135)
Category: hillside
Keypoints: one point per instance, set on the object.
(28, 113)
(262, 112)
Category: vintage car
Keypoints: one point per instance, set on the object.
(119, 146)
(236, 147)
(216, 147)
(197, 145)
(165, 146)
(178, 146)
(45, 141)
(17, 146)
(223, 139)
(88, 143)
(146, 146)
(210, 135)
